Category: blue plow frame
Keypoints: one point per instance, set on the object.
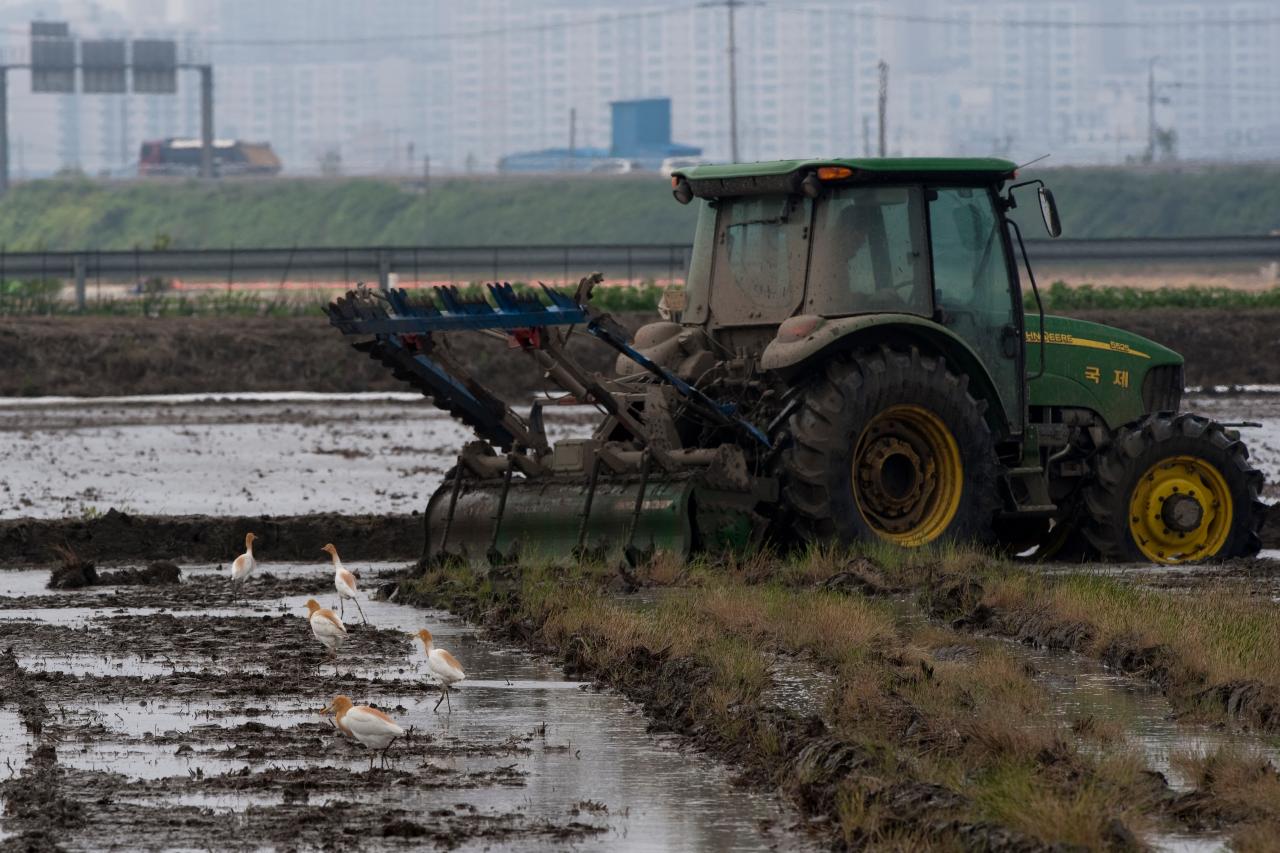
(403, 315)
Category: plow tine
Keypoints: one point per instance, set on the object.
(632, 555)
(453, 504)
(495, 556)
(586, 509)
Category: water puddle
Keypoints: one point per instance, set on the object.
(1179, 842)
(14, 743)
(1081, 688)
(239, 454)
(799, 686)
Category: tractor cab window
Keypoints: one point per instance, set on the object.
(758, 272)
(971, 280)
(969, 269)
(869, 253)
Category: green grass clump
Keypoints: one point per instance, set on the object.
(43, 299)
(1064, 297)
(1222, 636)
(226, 304)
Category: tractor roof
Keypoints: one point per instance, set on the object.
(992, 167)
(785, 176)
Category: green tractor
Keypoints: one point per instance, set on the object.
(851, 359)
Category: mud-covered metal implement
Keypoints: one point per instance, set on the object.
(597, 497)
(850, 359)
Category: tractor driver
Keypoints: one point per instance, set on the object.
(860, 249)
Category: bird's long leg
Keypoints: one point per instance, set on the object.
(436, 709)
(448, 703)
(361, 609)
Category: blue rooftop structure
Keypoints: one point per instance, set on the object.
(641, 140)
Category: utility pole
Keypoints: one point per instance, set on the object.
(4, 130)
(124, 131)
(206, 120)
(1151, 111)
(573, 136)
(884, 103)
(732, 7)
(866, 136)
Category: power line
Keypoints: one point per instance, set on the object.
(459, 35)
(1045, 23)
(908, 18)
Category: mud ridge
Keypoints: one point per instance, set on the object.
(120, 536)
(1270, 532)
(809, 764)
(183, 355)
(1251, 703)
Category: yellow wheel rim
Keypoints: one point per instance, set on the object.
(1181, 510)
(907, 475)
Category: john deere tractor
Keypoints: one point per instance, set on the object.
(851, 359)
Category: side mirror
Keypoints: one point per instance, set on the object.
(1049, 210)
(681, 190)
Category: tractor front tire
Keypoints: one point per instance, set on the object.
(891, 445)
(1174, 488)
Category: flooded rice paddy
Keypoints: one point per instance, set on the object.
(180, 720)
(239, 454)
(263, 454)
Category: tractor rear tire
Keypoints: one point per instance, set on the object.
(891, 445)
(1174, 488)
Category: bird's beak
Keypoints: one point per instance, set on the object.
(327, 709)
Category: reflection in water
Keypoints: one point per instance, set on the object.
(1080, 687)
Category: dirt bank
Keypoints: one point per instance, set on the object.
(1222, 347)
(92, 356)
(119, 536)
(889, 694)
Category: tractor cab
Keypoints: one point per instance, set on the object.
(919, 244)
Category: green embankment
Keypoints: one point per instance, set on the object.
(83, 214)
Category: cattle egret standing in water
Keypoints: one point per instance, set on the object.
(374, 729)
(327, 627)
(344, 582)
(243, 566)
(443, 665)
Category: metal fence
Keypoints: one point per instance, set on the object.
(558, 263)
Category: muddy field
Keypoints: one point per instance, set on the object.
(93, 356)
(171, 718)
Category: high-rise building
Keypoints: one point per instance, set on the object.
(381, 85)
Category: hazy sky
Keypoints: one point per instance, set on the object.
(381, 83)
